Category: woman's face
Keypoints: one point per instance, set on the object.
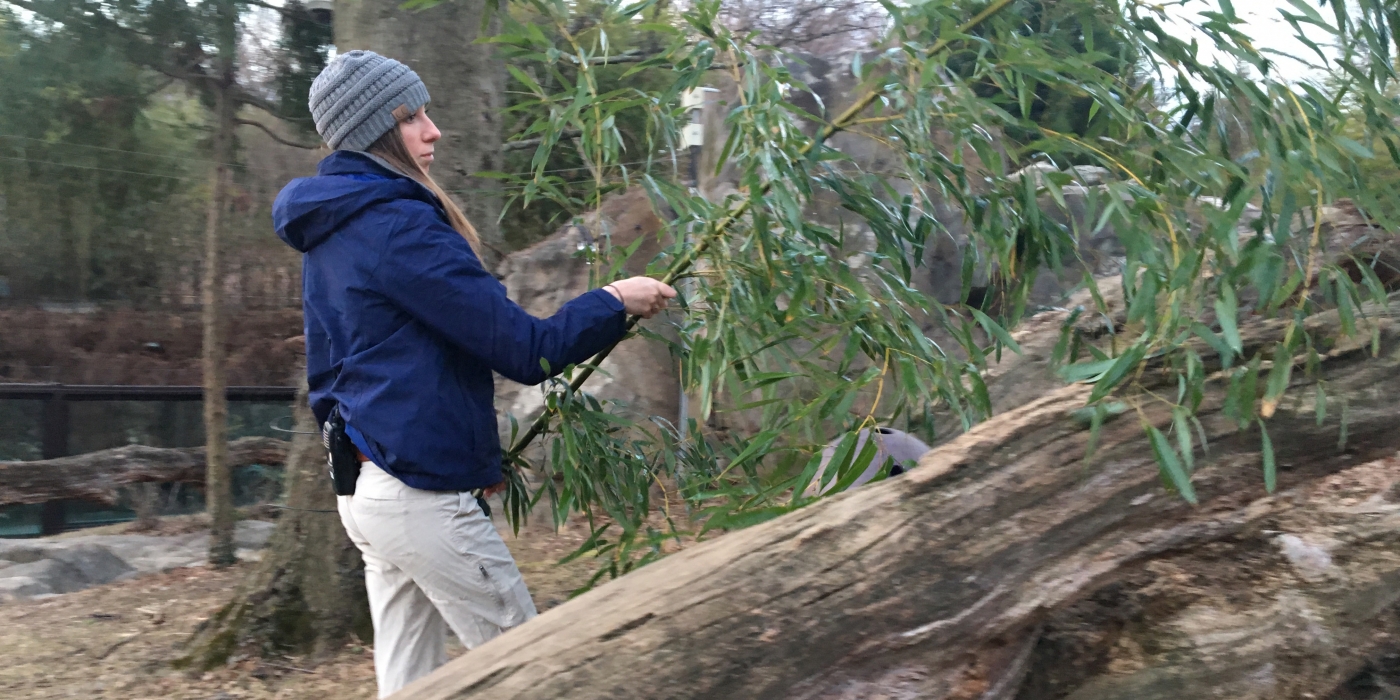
(419, 134)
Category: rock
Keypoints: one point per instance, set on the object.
(1036, 172)
(151, 553)
(252, 534)
(40, 567)
(43, 576)
(63, 569)
(92, 564)
(1311, 560)
(544, 276)
(23, 588)
(1248, 215)
(20, 551)
(1090, 175)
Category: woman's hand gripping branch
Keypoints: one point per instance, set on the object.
(642, 296)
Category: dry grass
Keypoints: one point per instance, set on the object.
(110, 346)
(118, 641)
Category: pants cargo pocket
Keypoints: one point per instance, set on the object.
(510, 591)
(505, 601)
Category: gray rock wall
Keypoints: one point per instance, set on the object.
(541, 278)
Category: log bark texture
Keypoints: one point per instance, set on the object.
(100, 476)
(1007, 566)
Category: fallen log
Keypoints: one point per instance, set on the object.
(100, 476)
(1007, 566)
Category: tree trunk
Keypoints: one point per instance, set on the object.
(218, 481)
(101, 476)
(83, 220)
(466, 81)
(1007, 566)
(307, 595)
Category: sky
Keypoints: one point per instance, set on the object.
(1269, 31)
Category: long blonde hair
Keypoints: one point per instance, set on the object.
(392, 148)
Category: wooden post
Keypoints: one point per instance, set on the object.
(55, 445)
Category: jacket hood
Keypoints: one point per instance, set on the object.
(309, 209)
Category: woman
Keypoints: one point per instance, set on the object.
(404, 328)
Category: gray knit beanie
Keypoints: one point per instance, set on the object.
(354, 98)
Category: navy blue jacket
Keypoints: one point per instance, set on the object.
(404, 326)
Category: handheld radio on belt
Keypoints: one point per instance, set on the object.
(342, 457)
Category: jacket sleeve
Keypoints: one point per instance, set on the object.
(320, 374)
(428, 270)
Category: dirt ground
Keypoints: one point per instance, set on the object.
(118, 640)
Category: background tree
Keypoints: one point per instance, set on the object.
(302, 47)
(218, 483)
(822, 27)
(198, 45)
(307, 595)
(98, 158)
(466, 81)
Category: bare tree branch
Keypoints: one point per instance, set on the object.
(823, 27)
(243, 96)
(160, 88)
(276, 8)
(639, 57)
(274, 136)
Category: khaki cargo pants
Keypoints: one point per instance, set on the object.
(433, 560)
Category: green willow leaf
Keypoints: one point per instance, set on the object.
(1270, 468)
(1087, 371)
(1119, 370)
(995, 330)
(1170, 464)
(1225, 308)
(1279, 377)
(1182, 428)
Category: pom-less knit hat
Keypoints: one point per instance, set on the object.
(354, 100)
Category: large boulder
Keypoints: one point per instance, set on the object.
(541, 278)
(91, 564)
(32, 580)
(61, 570)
